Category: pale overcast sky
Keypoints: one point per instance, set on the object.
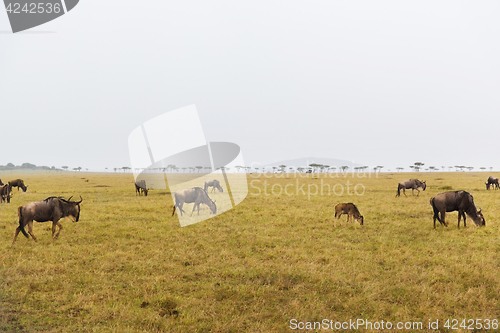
(375, 82)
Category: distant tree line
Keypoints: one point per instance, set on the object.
(25, 166)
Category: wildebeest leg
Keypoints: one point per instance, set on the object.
(59, 231)
(404, 191)
(30, 230)
(180, 207)
(465, 224)
(18, 230)
(418, 192)
(194, 207)
(443, 214)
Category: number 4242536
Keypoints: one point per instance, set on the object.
(470, 324)
(34, 8)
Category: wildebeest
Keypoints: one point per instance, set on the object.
(5, 192)
(492, 181)
(461, 201)
(140, 187)
(51, 209)
(19, 183)
(413, 184)
(1, 183)
(350, 209)
(214, 184)
(196, 195)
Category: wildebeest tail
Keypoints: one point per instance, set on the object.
(21, 225)
(399, 190)
(436, 211)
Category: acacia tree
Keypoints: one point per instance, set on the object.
(418, 165)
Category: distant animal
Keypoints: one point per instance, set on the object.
(140, 187)
(196, 195)
(492, 181)
(19, 183)
(461, 201)
(413, 184)
(5, 193)
(350, 209)
(51, 209)
(214, 184)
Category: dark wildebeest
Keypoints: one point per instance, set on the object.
(214, 184)
(350, 209)
(5, 193)
(19, 183)
(461, 201)
(196, 195)
(140, 187)
(492, 181)
(413, 184)
(51, 209)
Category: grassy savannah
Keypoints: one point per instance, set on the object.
(127, 265)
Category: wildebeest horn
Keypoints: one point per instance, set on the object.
(70, 198)
(79, 202)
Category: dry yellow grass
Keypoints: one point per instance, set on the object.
(127, 266)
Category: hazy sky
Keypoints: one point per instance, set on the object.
(375, 82)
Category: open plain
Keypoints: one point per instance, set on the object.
(127, 265)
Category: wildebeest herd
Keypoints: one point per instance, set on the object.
(460, 201)
(196, 195)
(55, 208)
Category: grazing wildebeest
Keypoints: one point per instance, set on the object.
(196, 195)
(350, 209)
(51, 209)
(413, 184)
(492, 181)
(140, 187)
(19, 183)
(461, 201)
(214, 184)
(5, 192)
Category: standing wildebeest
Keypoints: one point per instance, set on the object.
(214, 184)
(19, 183)
(414, 184)
(196, 195)
(140, 187)
(492, 181)
(461, 201)
(51, 209)
(350, 209)
(5, 192)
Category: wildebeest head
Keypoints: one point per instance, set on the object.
(487, 185)
(423, 185)
(73, 210)
(360, 220)
(479, 219)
